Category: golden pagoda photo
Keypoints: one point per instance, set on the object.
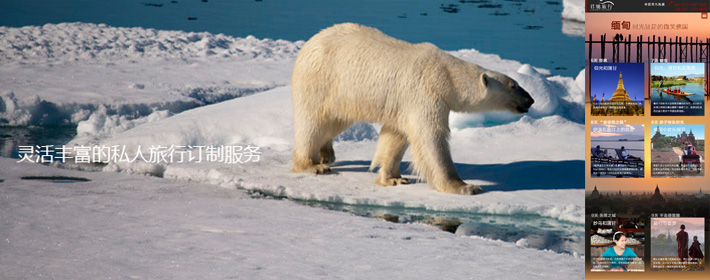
(626, 96)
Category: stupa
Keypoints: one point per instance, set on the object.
(595, 193)
(657, 197)
(620, 94)
(657, 135)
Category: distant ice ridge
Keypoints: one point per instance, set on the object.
(100, 124)
(573, 17)
(573, 10)
(88, 41)
(62, 73)
(47, 109)
(573, 27)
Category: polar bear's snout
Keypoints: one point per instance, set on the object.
(525, 101)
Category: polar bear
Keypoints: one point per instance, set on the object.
(349, 72)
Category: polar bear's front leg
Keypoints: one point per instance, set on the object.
(391, 146)
(327, 154)
(432, 159)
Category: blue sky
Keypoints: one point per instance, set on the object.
(606, 81)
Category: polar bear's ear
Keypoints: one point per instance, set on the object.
(484, 79)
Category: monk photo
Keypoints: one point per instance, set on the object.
(682, 238)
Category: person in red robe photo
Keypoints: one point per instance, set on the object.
(682, 238)
(695, 251)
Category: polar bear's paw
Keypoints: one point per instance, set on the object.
(470, 190)
(320, 169)
(392, 182)
(313, 169)
(459, 187)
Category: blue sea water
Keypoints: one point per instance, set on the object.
(540, 232)
(697, 98)
(665, 104)
(528, 31)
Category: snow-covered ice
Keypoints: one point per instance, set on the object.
(263, 120)
(135, 227)
(573, 17)
(573, 27)
(62, 73)
(573, 10)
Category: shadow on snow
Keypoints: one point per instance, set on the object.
(524, 175)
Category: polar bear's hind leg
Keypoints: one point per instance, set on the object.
(313, 145)
(308, 140)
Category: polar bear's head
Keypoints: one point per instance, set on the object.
(503, 93)
(493, 91)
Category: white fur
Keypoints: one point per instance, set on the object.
(350, 72)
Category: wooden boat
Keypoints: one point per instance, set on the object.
(677, 93)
